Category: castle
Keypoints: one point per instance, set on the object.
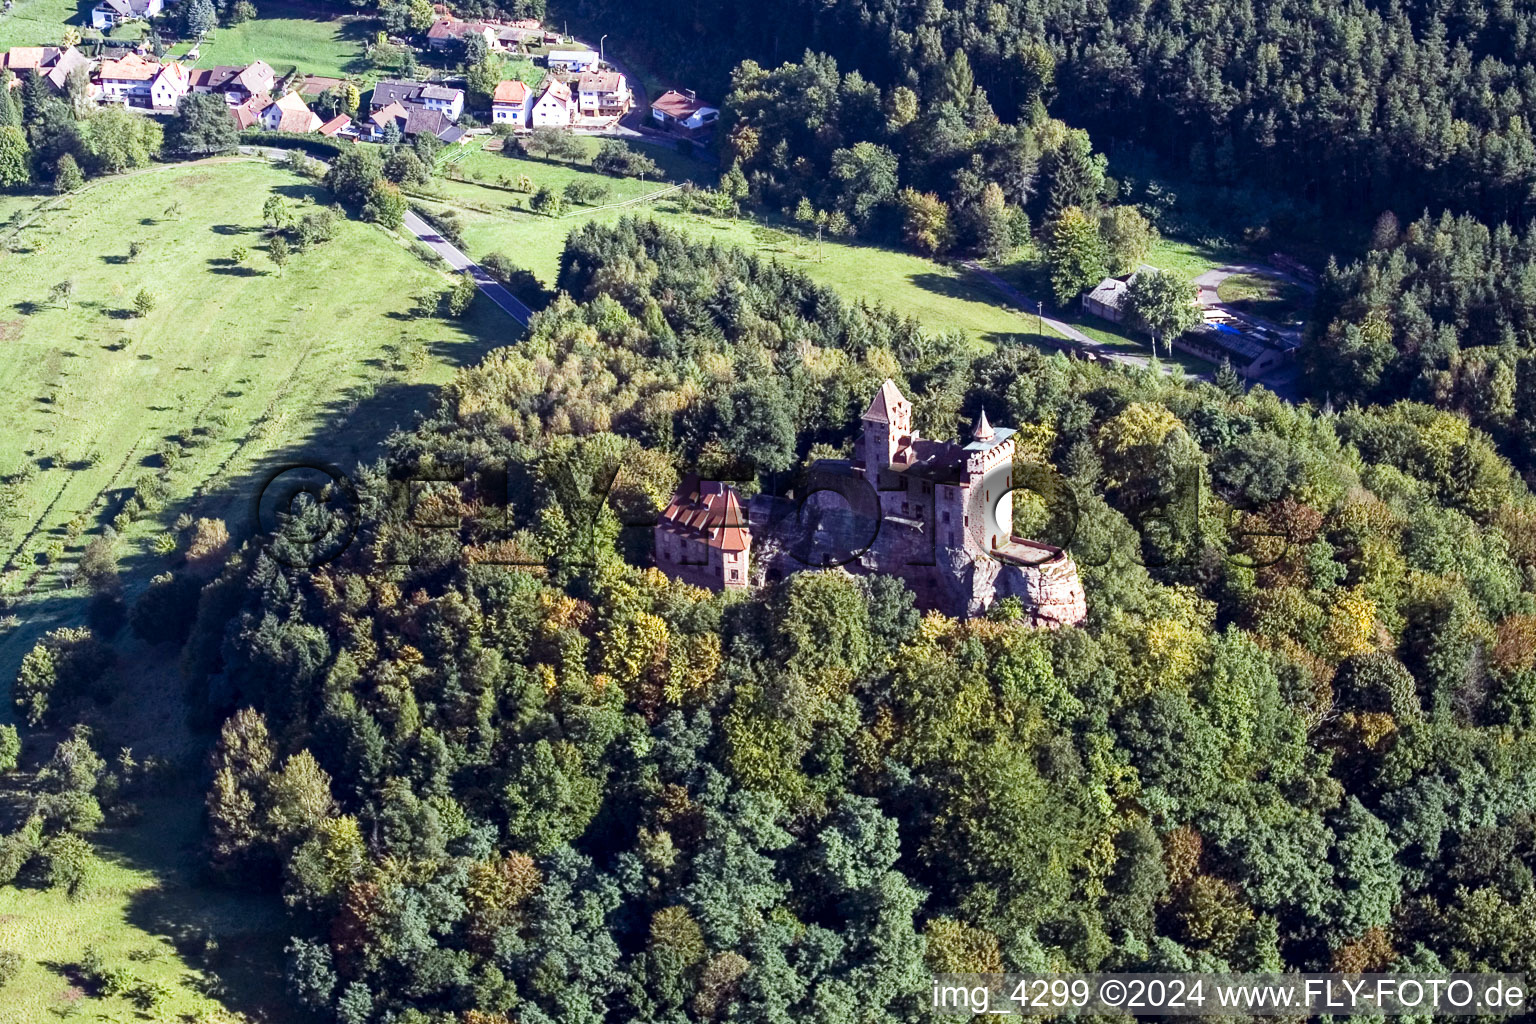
(938, 514)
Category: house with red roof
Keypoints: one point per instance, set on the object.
(138, 81)
(703, 537)
(509, 104)
(684, 113)
(554, 107)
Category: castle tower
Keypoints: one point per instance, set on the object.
(703, 537)
(887, 433)
(988, 484)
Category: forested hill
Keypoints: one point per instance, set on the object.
(1362, 106)
(583, 792)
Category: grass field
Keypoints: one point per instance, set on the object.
(1027, 272)
(942, 297)
(318, 39)
(238, 365)
(36, 22)
(245, 368)
(213, 951)
(1272, 298)
(41, 22)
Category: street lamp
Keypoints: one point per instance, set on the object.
(600, 58)
(1040, 320)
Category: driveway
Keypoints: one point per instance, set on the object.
(1081, 341)
(450, 253)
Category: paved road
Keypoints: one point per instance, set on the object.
(451, 255)
(492, 289)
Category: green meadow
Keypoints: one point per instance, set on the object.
(942, 296)
(317, 39)
(238, 366)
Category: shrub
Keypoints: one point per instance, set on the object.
(165, 610)
(520, 281)
(462, 295)
(65, 664)
(615, 158)
(10, 966)
(70, 863)
(10, 748)
(589, 193)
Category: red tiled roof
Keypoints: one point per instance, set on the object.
(556, 88)
(511, 91)
(885, 400)
(131, 68)
(710, 511)
(335, 124)
(677, 105)
(600, 81)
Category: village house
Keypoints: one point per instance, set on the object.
(289, 114)
(553, 108)
(703, 537)
(235, 84)
(683, 113)
(248, 114)
(509, 104)
(421, 95)
(144, 82)
(55, 64)
(335, 126)
(109, 13)
(450, 31)
(602, 94)
(572, 61)
(408, 121)
(937, 514)
(513, 37)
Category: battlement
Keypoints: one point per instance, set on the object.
(938, 514)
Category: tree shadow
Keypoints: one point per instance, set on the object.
(233, 229)
(27, 307)
(950, 287)
(233, 269)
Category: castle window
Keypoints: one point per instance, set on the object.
(735, 575)
(946, 517)
(904, 508)
(951, 538)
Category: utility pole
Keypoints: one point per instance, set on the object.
(1040, 320)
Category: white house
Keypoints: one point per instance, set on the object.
(683, 112)
(141, 82)
(289, 114)
(112, 12)
(509, 104)
(553, 108)
(572, 60)
(602, 94)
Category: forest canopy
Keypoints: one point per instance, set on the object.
(589, 792)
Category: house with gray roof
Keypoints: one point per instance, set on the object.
(442, 99)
